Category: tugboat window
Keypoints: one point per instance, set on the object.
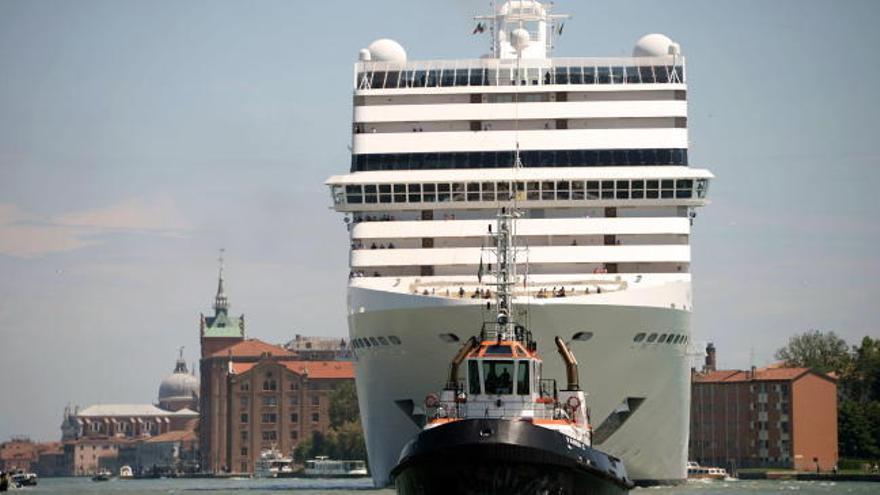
(522, 378)
(499, 377)
(473, 377)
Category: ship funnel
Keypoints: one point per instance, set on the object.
(571, 364)
(468, 346)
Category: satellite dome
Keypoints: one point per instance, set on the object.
(519, 39)
(387, 50)
(655, 45)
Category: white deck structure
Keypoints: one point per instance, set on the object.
(608, 201)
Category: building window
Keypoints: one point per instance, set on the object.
(269, 418)
(294, 435)
(270, 436)
(270, 385)
(315, 417)
(244, 417)
(294, 385)
(270, 400)
(316, 400)
(244, 401)
(244, 467)
(244, 436)
(294, 417)
(294, 400)
(244, 451)
(245, 386)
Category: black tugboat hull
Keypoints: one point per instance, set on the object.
(488, 456)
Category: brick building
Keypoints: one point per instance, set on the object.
(766, 417)
(257, 396)
(18, 454)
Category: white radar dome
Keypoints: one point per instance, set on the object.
(364, 55)
(386, 50)
(655, 45)
(519, 39)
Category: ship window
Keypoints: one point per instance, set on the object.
(561, 74)
(647, 74)
(604, 75)
(406, 78)
(448, 78)
(589, 75)
(547, 191)
(577, 189)
(400, 193)
(353, 194)
(666, 188)
(632, 75)
(592, 189)
(499, 349)
(638, 189)
(488, 191)
(473, 377)
(582, 336)
(522, 378)
(683, 188)
(383, 341)
(607, 189)
(378, 80)
(662, 338)
(433, 76)
(532, 188)
(639, 337)
(442, 192)
(429, 193)
(473, 191)
(391, 79)
(458, 191)
(652, 337)
(420, 78)
(394, 340)
(498, 376)
(623, 189)
(617, 75)
(563, 189)
(575, 75)
(660, 72)
(374, 341)
(415, 192)
(461, 77)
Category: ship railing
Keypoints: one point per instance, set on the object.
(544, 290)
(532, 72)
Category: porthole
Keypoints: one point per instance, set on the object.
(662, 338)
(639, 337)
(652, 337)
(449, 337)
(383, 341)
(582, 336)
(394, 340)
(374, 341)
(673, 339)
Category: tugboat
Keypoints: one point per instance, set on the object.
(504, 428)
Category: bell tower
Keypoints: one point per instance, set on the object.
(221, 330)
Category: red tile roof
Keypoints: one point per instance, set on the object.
(314, 369)
(252, 347)
(322, 369)
(761, 374)
(175, 436)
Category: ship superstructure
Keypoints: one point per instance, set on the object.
(607, 200)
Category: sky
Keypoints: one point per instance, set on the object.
(137, 138)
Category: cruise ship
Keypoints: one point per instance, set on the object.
(608, 201)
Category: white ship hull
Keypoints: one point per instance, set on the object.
(652, 441)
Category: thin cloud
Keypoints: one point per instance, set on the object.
(27, 235)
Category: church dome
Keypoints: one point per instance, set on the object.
(180, 385)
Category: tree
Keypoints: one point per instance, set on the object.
(344, 405)
(821, 351)
(856, 438)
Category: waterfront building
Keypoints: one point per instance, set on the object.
(257, 396)
(763, 417)
(608, 198)
(19, 453)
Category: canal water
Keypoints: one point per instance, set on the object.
(363, 487)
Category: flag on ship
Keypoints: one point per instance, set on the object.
(480, 28)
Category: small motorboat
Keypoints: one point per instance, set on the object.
(102, 475)
(698, 472)
(126, 473)
(324, 467)
(20, 479)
